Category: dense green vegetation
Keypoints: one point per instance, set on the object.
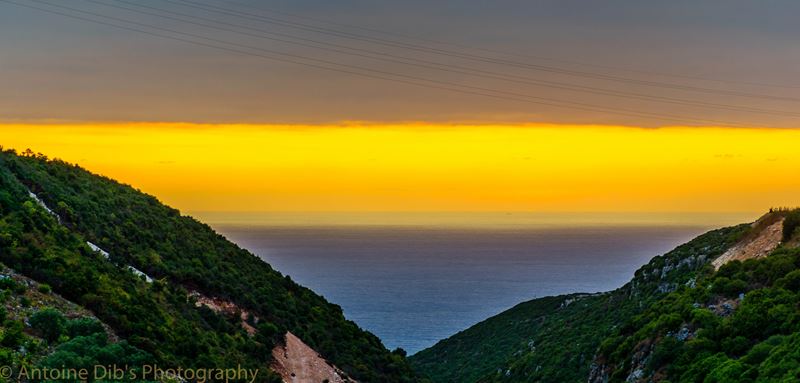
(741, 323)
(159, 318)
(82, 343)
(554, 339)
(38, 329)
(538, 332)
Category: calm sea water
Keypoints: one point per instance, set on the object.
(414, 285)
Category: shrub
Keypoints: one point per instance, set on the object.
(268, 332)
(7, 283)
(44, 288)
(49, 323)
(728, 287)
(790, 282)
(664, 353)
(12, 336)
(735, 346)
(790, 224)
(83, 327)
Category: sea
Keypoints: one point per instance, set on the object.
(413, 279)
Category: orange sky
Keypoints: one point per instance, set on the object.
(434, 167)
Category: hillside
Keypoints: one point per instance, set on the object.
(144, 270)
(629, 334)
(554, 339)
(39, 326)
(739, 323)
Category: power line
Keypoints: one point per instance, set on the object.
(428, 83)
(508, 53)
(468, 56)
(435, 65)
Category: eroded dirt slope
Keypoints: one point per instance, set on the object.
(766, 237)
(296, 362)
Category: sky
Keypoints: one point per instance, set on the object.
(310, 105)
(668, 58)
(434, 167)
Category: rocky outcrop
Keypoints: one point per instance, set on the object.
(639, 361)
(598, 372)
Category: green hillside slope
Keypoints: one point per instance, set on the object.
(158, 316)
(554, 339)
(738, 324)
(41, 328)
(678, 320)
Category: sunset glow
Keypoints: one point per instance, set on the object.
(433, 167)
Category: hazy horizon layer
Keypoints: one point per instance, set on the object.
(483, 219)
(414, 279)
